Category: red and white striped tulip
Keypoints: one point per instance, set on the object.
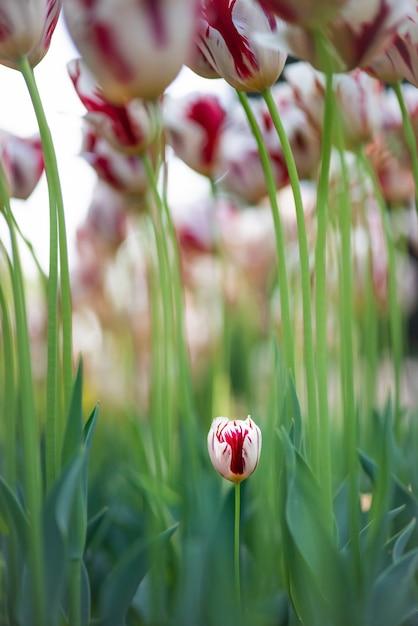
(129, 127)
(359, 32)
(23, 163)
(228, 38)
(26, 28)
(357, 94)
(194, 127)
(107, 217)
(125, 173)
(135, 48)
(400, 60)
(234, 447)
(304, 12)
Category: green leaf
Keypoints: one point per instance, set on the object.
(90, 426)
(402, 541)
(120, 586)
(394, 596)
(94, 524)
(74, 429)
(13, 512)
(85, 596)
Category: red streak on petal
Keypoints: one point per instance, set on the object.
(218, 14)
(368, 33)
(235, 439)
(107, 45)
(210, 116)
(153, 8)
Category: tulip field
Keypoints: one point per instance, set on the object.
(209, 403)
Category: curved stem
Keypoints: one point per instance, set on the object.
(305, 274)
(288, 340)
(321, 298)
(56, 200)
(409, 136)
(237, 543)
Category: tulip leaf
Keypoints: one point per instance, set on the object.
(12, 512)
(74, 429)
(402, 541)
(120, 586)
(85, 596)
(89, 427)
(394, 596)
(94, 524)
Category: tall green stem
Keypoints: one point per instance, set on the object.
(56, 199)
(288, 340)
(305, 274)
(321, 297)
(237, 543)
(9, 391)
(31, 452)
(409, 136)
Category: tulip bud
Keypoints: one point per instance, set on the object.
(107, 218)
(26, 28)
(400, 60)
(124, 173)
(234, 447)
(194, 127)
(228, 38)
(129, 128)
(23, 163)
(135, 48)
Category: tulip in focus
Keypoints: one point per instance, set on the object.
(134, 48)
(228, 38)
(26, 28)
(194, 127)
(125, 173)
(23, 163)
(129, 127)
(234, 447)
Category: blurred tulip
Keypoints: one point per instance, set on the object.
(306, 12)
(194, 126)
(228, 39)
(26, 28)
(395, 178)
(392, 125)
(129, 128)
(400, 60)
(135, 48)
(107, 217)
(357, 94)
(196, 227)
(125, 173)
(359, 32)
(23, 163)
(234, 447)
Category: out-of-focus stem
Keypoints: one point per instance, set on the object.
(305, 275)
(288, 340)
(409, 136)
(237, 543)
(9, 391)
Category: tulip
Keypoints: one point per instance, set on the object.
(228, 39)
(234, 447)
(107, 217)
(23, 163)
(305, 12)
(395, 178)
(26, 28)
(392, 125)
(356, 35)
(357, 94)
(194, 127)
(400, 60)
(135, 48)
(125, 173)
(128, 127)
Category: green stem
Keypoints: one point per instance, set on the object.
(279, 233)
(56, 199)
(409, 136)
(9, 391)
(324, 444)
(305, 274)
(237, 543)
(29, 245)
(31, 452)
(395, 314)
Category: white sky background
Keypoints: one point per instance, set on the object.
(64, 112)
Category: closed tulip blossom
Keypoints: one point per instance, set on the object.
(23, 163)
(194, 126)
(228, 38)
(125, 173)
(107, 218)
(356, 35)
(134, 48)
(26, 28)
(129, 127)
(357, 94)
(400, 60)
(234, 447)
